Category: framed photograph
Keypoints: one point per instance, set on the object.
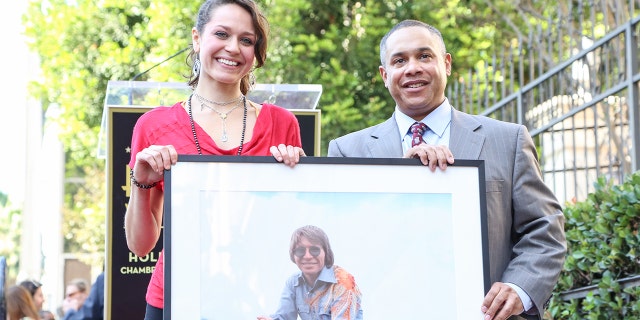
(414, 240)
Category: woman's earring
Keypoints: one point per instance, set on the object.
(252, 80)
(196, 67)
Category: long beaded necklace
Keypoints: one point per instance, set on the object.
(223, 115)
(193, 126)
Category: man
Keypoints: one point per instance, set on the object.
(527, 244)
(76, 293)
(93, 306)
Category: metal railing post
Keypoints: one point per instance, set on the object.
(633, 70)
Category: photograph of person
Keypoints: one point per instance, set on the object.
(321, 290)
(241, 265)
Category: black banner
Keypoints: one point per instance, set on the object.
(128, 275)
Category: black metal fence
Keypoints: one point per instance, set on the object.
(575, 85)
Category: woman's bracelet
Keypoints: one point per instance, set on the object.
(140, 185)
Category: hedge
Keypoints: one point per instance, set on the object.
(601, 275)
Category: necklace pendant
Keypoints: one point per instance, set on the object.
(223, 116)
(224, 137)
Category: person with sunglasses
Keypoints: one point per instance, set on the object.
(321, 290)
(93, 306)
(76, 293)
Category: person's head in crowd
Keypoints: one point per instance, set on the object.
(20, 304)
(35, 288)
(77, 289)
(310, 251)
(47, 315)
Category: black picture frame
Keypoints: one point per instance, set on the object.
(414, 239)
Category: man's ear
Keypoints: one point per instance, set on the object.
(447, 63)
(383, 74)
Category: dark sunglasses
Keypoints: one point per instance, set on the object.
(301, 251)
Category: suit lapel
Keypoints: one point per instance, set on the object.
(384, 142)
(464, 141)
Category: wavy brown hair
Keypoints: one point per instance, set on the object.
(20, 304)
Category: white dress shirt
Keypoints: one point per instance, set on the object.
(438, 121)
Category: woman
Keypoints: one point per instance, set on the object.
(35, 289)
(321, 290)
(228, 41)
(20, 304)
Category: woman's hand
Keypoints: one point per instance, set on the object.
(289, 155)
(152, 161)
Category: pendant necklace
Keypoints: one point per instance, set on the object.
(223, 115)
(193, 125)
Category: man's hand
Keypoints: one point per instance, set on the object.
(501, 302)
(431, 155)
(70, 304)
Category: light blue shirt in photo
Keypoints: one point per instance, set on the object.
(293, 300)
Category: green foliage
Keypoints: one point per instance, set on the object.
(335, 44)
(82, 45)
(10, 224)
(603, 247)
(84, 232)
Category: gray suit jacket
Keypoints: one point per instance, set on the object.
(527, 243)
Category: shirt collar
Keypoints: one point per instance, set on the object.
(438, 120)
(326, 275)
